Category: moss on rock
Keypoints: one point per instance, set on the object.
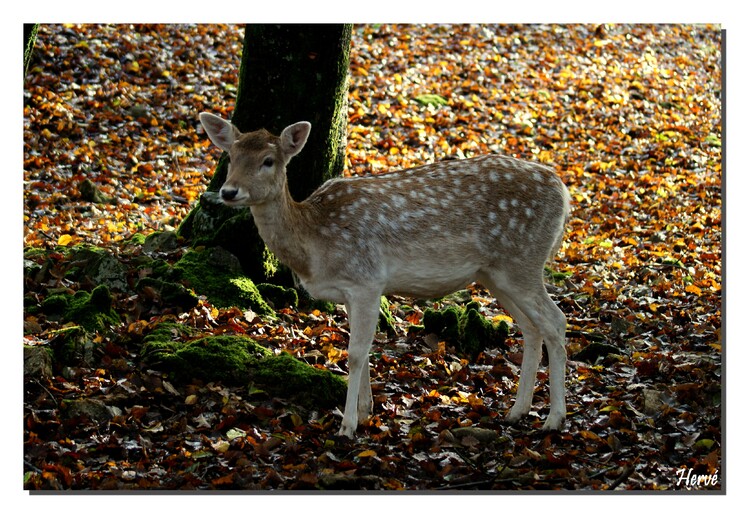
(137, 239)
(465, 327)
(160, 242)
(213, 224)
(228, 358)
(443, 323)
(288, 377)
(72, 345)
(279, 296)
(168, 293)
(168, 331)
(238, 360)
(217, 274)
(37, 361)
(385, 320)
(98, 266)
(477, 333)
(93, 311)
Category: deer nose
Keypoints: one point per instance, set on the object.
(229, 193)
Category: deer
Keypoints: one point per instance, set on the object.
(423, 232)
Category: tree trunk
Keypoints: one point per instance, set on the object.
(288, 73)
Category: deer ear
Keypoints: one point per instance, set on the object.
(221, 132)
(294, 137)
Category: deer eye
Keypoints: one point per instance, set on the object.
(268, 162)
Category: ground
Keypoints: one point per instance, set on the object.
(629, 114)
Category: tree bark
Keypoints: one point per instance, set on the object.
(288, 73)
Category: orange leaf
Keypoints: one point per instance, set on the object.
(367, 454)
(64, 239)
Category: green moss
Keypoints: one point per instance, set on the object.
(385, 320)
(71, 344)
(556, 275)
(161, 269)
(54, 305)
(213, 224)
(168, 331)
(34, 253)
(228, 358)
(169, 294)
(137, 239)
(93, 311)
(290, 378)
(477, 333)
(235, 359)
(466, 328)
(443, 322)
(217, 274)
(280, 297)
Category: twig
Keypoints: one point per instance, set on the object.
(467, 484)
(626, 472)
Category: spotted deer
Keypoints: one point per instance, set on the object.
(423, 232)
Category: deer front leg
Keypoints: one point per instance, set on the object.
(364, 404)
(363, 313)
(532, 355)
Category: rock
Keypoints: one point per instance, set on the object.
(100, 267)
(93, 311)
(217, 274)
(653, 401)
(478, 433)
(595, 351)
(279, 296)
(37, 362)
(160, 242)
(468, 330)
(90, 193)
(91, 408)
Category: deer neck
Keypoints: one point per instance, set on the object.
(282, 227)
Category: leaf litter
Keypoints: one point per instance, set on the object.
(631, 116)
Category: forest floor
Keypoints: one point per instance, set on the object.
(630, 116)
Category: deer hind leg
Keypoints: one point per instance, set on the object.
(363, 313)
(540, 321)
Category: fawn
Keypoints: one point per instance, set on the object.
(423, 232)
